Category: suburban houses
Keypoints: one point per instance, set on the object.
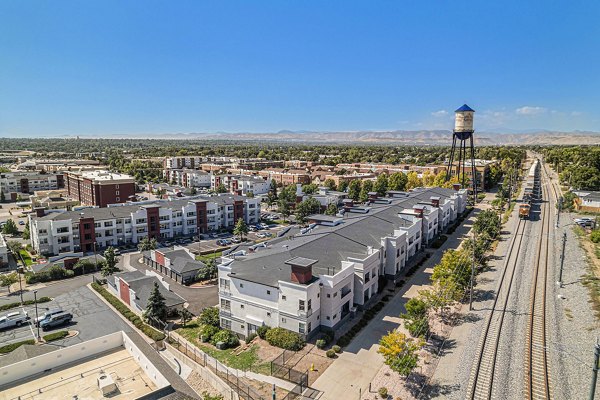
(178, 264)
(56, 231)
(312, 281)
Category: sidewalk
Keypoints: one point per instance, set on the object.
(359, 363)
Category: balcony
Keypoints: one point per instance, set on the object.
(225, 292)
(345, 292)
(305, 314)
(225, 312)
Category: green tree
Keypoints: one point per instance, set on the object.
(453, 268)
(156, 308)
(381, 184)
(397, 181)
(208, 271)
(14, 247)
(147, 244)
(240, 228)
(273, 189)
(109, 266)
(400, 352)
(10, 228)
(413, 181)
(309, 188)
(332, 209)
(305, 208)
(221, 188)
(329, 184)
(342, 186)
(193, 191)
(367, 186)
(250, 195)
(185, 316)
(283, 208)
(288, 194)
(354, 188)
(416, 317)
(210, 316)
(2, 197)
(6, 280)
(26, 234)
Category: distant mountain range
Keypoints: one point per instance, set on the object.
(420, 137)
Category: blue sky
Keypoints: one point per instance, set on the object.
(125, 67)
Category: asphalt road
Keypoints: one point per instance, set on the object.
(91, 318)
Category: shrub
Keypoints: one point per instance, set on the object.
(54, 273)
(383, 392)
(208, 331)
(251, 337)
(595, 236)
(285, 339)
(10, 347)
(226, 337)
(320, 343)
(330, 353)
(262, 331)
(56, 336)
(209, 316)
(336, 348)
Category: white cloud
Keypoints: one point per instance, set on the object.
(576, 113)
(530, 110)
(440, 113)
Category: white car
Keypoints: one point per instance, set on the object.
(14, 319)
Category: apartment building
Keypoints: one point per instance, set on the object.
(241, 184)
(54, 232)
(13, 183)
(286, 177)
(99, 188)
(316, 279)
(192, 162)
(60, 165)
(190, 178)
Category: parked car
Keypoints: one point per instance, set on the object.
(47, 315)
(252, 228)
(584, 221)
(13, 319)
(56, 320)
(213, 236)
(21, 222)
(222, 242)
(236, 240)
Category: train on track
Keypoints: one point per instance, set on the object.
(532, 189)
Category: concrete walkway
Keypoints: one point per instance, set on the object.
(351, 373)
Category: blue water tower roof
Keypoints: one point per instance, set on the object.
(465, 108)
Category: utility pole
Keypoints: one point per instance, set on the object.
(562, 260)
(595, 370)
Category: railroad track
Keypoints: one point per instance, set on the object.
(482, 376)
(537, 380)
(538, 385)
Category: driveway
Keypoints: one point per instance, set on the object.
(197, 298)
(91, 318)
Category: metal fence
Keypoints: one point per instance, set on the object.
(244, 390)
(281, 369)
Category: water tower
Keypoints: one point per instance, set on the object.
(462, 155)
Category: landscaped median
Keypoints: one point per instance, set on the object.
(8, 306)
(127, 313)
(55, 336)
(13, 346)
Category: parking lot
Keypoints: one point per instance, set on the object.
(91, 318)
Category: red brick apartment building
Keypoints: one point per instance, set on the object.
(99, 188)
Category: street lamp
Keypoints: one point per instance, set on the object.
(19, 272)
(36, 314)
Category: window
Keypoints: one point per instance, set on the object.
(117, 199)
(301, 305)
(328, 295)
(242, 326)
(241, 285)
(334, 316)
(225, 305)
(335, 294)
(117, 192)
(301, 327)
(226, 324)
(268, 292)
(283, 297)
(242, 306)
(268, 314)
(116, 187)
(309, 304)
(283, 320)
(327, 318)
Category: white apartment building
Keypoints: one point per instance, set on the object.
(318, 277)
(57, 231)
(241, 184)
(179, 162)
(188, 177)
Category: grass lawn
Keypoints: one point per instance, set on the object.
(210, 256)
(246, 360)
(26, 257)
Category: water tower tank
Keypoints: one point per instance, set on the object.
(463, 121)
